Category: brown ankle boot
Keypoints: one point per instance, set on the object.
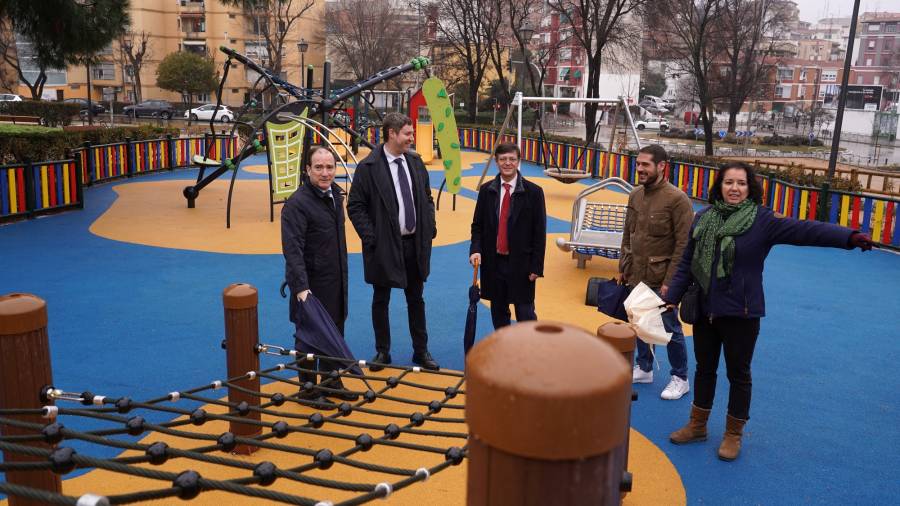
(695, 430)
(731, 442)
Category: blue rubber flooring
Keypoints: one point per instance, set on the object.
(141, 321)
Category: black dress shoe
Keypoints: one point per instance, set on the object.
(381, 358)
(315, 399)
(343, 394)
(426, 361)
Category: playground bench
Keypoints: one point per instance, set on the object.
(20, 120)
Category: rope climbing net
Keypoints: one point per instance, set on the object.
(406, 425)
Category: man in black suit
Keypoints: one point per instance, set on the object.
(509, 237)
(315, 253)
(391, 208)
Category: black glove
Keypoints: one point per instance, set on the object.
(861, 241)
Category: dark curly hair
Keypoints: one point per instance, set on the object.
(756, 191)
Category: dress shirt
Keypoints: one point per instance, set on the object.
(400, 207)
(512, 188)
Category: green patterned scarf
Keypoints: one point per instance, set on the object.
(719, 224)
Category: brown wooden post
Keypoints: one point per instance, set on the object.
(24, 371)
(623, 339)
(547, 405)
(241, 337)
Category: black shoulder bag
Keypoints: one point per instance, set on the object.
(689, 311)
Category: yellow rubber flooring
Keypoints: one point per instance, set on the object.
(172, 225)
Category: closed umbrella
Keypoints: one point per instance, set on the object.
(472, 313)
(318, 334)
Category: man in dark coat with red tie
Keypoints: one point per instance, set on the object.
(509, 236)
(391, 208)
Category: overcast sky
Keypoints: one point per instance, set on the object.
(813, 10)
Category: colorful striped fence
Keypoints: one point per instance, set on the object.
(875, 215)
(26, 189)
(148, 156)
(109, 161)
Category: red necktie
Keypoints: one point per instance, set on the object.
(502, 240)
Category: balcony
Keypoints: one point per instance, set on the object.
(188, 7)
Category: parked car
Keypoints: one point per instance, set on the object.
(653, 124)
(10, 97)
(205, 112)
(152, 108)
(83, 104)
(653, 108)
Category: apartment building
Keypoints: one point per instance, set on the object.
(185, 25)
(567, 62)
(878, 57)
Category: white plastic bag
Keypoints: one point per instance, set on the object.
(645, 310)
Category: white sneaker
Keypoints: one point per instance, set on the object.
(638, 375)
(675, 389)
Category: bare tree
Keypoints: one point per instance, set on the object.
(11, 56)
(366, 36)
(749, 32)
(600, 27)
(135, 48)
(693, 41)
(469, 28)
(273, 20)
(520, 13)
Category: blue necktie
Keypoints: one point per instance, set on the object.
(409, 212)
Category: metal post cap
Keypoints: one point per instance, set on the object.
(21, 313)
(240, 296)
(548, 391)
(619, 335)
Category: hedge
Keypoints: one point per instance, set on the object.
(52, 144)
(53, 113)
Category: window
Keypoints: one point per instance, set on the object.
(876, 80)
(871, 43)
(258, 26)
(860, 80)
(565, 54)
(30, 69)
(785, 74)
(256, 50)
(829, 76)
(103, 71)
(779, 90)
(195, 46)
(803, 75)
(868, 62)
(194, 25)
(890, 28)
(874, 27)
(203, 97)
(786, 91)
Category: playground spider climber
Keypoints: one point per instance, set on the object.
(288, 129)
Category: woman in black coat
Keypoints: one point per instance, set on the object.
(726, 250)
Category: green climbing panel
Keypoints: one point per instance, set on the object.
(444, 121)
(285, 152)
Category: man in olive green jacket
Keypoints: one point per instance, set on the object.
(656, 231)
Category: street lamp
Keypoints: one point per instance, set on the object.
(302, 46)
(527, 32)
